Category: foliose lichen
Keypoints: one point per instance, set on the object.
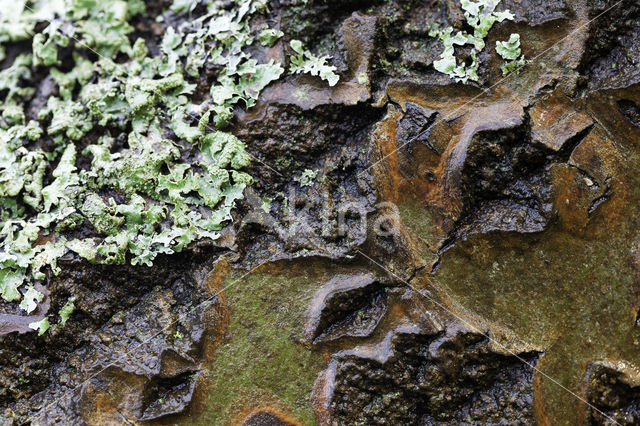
(120, 164)
(481, 15)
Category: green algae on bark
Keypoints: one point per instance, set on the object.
(572, 295)
(264, 361)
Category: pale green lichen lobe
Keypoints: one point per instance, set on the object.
(307, 62)
(481, 16)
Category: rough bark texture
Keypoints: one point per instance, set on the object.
(460, 215)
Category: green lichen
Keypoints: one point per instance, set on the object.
(113, 184)
(307, 62)
(307, 177)
(31, 299)
(512, 54)
(481, 16)
(40, 326)
(66, 311)
(269, 36)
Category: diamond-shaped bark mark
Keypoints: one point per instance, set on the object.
(346, 306)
